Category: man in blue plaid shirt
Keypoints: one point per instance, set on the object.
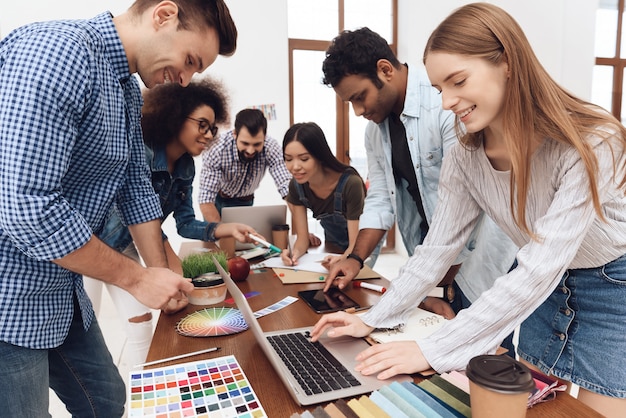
(233, 168)
(70, 147)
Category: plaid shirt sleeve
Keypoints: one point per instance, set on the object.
(38, 133)
(277, 167)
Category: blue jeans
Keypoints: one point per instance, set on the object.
(81, 371)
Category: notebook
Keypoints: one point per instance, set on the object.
(342, 352)
(261, 218)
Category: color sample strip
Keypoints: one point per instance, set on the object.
(386, 405)
(415, 402)
(445, 398)
(288, 300)
(198, 389)
(420, 394)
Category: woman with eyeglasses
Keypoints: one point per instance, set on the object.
(178, 124)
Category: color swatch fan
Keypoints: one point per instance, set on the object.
(212, 322)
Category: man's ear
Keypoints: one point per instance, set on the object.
(165, 13)
(385, 69)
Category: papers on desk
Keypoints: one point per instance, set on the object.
(309, 269)
(420, 324)
(308, 262)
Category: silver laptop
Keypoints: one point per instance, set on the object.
(342, 349)
(261, 218)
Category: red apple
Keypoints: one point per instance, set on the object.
(239, 268)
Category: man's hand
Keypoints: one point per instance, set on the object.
(156, 286)
(438, 306)
(314, 241)
(341, 273)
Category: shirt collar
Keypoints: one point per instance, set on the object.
(114, 50)
(412, 97)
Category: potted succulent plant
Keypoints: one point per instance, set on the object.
(209, 287)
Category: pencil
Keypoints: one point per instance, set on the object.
(150, 363)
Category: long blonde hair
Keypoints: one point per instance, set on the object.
(534, 106)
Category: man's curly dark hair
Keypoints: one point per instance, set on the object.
(167, 106)
(356, 53)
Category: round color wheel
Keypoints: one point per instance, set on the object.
(212, 322)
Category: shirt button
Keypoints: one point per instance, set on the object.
(417, 165)
(568, 312)
(411, 138)
(429, 156)
(561, 336)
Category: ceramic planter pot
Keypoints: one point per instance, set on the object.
(208, 289)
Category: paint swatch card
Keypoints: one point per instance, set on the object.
(208, 388)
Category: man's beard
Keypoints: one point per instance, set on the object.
(244, 159)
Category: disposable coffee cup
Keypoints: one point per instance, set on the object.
(499, 387)
(280, 235)
(227, 244)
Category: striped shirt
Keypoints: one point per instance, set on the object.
(559, 210)
(223, 171)
(70, 146)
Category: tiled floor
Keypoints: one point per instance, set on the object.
(112, 328)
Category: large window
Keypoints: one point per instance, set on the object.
(610, 52)
(312, 24)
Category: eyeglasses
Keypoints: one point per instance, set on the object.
(204, 126)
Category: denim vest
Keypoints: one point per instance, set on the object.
(174, 193)
(335, 224)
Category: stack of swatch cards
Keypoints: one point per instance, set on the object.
(207, 388)
(442, 395)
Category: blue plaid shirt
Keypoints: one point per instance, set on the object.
(70, 146)
(223, 171)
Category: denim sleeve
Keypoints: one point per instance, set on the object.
(186, 223)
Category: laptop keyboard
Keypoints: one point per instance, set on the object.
(315, 369)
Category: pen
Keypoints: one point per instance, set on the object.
(289, 248)
(369, 286)
(267, 244)
(150, 363)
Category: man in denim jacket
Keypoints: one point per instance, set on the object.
(363, 70)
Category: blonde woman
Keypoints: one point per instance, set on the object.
(548, 168)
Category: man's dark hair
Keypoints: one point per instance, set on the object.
(252, 119)
(356, 53)
(207, 13)
(167, 106)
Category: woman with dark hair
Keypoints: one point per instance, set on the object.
(178, 124)
(332, 190)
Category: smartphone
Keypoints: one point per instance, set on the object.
(331, 301)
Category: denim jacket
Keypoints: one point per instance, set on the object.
(174, 193)
(430, 133)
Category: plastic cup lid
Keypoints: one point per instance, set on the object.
(500, 373)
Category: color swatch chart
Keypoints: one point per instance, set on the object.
(205, 389)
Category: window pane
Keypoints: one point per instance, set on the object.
(623, 116)
(375, 14)
(358, 159)
(606, 28)
(602, 86)
(312, 100)
(318, 19)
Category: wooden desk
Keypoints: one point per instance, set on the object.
(269, 388)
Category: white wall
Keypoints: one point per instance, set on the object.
(561, 31)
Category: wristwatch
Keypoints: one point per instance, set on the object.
(356, 257)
